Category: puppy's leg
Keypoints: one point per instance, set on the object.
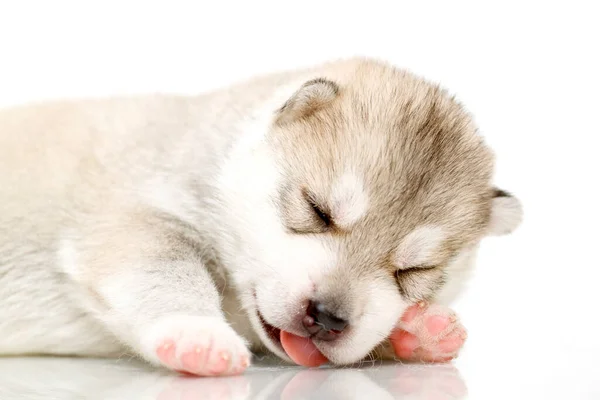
(152, 290)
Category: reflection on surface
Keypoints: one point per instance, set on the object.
(65, 379)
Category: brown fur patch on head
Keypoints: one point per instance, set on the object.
(311, 96)
(413, 147)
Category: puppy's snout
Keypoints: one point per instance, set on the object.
(322, 324)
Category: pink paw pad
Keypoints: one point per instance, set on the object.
(198, 361)
(429, 333)
(191, 360)
(405, 343)
(220, 364)
(201, 346)
(451, 344)
(436, 324)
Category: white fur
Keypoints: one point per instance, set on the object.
(507, 213)
(457, 272)
(419, 247)
(350, 200)
(168, 194)
(67, 256)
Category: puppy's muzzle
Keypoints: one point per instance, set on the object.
(322, 324)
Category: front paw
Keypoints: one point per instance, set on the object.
(204, 346)
(429, 333)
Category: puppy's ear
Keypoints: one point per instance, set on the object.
(506, 215)
(310, 97)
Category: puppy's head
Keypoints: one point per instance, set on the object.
(369, 192)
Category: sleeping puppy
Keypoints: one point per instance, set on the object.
(325, 214)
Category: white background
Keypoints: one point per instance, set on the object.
(527, 70)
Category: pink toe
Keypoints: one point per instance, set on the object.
(404, 343)
(166, 352)
(436, 324)
(191, 360)
(220, 363)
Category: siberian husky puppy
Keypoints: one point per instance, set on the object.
(324, 214)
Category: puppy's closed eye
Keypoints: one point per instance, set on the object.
(419, 283)
(319, 211)
(303, 213)
(415, 269)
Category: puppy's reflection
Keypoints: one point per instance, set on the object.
(387, 381)
(66, 379)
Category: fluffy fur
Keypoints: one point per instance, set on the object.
(172, 224)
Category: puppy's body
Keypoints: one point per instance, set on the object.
(156, 223)
(76, 170)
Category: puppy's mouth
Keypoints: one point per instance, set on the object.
(300, 349)
(273, 333)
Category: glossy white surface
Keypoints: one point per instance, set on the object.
(467, 378)
(97, 379)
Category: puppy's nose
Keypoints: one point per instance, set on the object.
(321, 323)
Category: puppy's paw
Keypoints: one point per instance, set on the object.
(204, 346)
(429, 333)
